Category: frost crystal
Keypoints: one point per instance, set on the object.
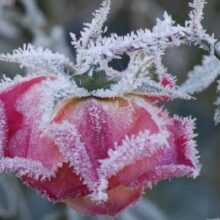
(39, 60)
(202, 76)
(145, 48)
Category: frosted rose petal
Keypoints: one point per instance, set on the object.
(64, 184)
(22, 105)
(119, 198)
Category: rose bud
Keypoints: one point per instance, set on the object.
(98, 155)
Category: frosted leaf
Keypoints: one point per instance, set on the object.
(137, 80)
(152, 88)
(144, 47)
(202, 76)
(93, 30)
(62, 87)
(196, 15)
(39, 60)
(164, 35)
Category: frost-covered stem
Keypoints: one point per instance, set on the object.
(148, 41)
(196, 15)
(94, 29)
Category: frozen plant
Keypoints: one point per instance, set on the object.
(93, 137)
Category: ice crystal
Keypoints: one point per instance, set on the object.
(138, 146)
(39, 60)
(66, 137)
(202, 76)
(94, 51)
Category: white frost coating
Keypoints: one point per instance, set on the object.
(7, 83)
(132, 149)
(22, 166)
(67, 138)
(179, 170)
(141, 86)
(196, 15)
(93, 30)
(61, 87)
(144, 47)
(3, 128)
(151, 88)
(39, 60)
(202, 76)
(44, 97)
(191, 151)
(38, 104)
(164, 35)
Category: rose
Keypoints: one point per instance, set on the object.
(97, 155)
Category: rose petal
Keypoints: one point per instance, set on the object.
(9, 97)
(64, 184)
(119, 198)
(98, 124)
(101, 124)
(176, 160)
(22, 104)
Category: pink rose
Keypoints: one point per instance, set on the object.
(97, 155)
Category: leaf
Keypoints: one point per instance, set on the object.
(201, 77)
(39, 60)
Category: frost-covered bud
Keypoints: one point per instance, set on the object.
(97, 155)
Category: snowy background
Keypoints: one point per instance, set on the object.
(48, 23)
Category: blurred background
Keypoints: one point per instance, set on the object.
(48, 23)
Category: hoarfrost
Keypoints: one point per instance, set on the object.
(93, 30)
(132, 148)
(190, 146)
(202, 76)
(39, 60)
(144, 47)
(67, 138)
(22, 166)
